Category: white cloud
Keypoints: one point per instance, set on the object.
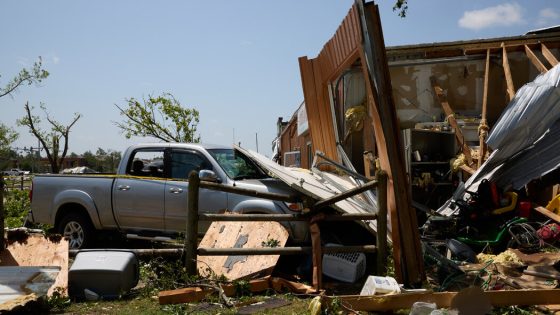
(506, 14)
(548, 17)
(55, 59)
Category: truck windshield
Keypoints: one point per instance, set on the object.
(236, 165)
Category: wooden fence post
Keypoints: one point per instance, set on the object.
(191, 234)
(381, 222)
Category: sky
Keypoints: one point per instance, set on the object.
(236, 62)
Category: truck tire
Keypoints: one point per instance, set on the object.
(77, 229)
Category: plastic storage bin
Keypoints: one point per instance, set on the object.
(107, 273)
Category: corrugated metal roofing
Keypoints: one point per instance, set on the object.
(535, 108)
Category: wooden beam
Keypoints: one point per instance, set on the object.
(548, 55)
(384, 303)
(406, 239)
(535, 60)
(483, 126)
(451, 119)
(507, 73)
(547, 213)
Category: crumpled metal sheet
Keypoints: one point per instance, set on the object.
(20, 285)
(525, 139)
(534, 162)
(534, 109)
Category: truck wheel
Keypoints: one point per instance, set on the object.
(77, 230)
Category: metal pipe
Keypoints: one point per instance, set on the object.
(192, 224)
(284, 250)
(283, 217)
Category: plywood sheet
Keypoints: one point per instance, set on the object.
(37, 250)
(240, 235)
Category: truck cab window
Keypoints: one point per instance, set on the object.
(146, 164)
(183, 162)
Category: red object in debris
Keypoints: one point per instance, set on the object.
(495, 195)
(525, 209)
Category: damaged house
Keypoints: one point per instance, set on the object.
(467, 82)
(446, 97)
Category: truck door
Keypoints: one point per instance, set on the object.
(184, 161)
(138, 199)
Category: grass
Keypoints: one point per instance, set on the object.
(150, 305)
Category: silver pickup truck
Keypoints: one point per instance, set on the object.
(148, 195)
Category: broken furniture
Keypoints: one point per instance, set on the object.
(428, 157)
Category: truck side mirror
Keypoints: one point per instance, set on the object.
(209, 176)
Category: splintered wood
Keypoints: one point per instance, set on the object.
(241, 235)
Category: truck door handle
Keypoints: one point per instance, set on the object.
(175, 190)
(123, 187)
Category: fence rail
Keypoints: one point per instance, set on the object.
(312, 216)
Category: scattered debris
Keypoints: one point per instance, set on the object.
(31, 248)
(20, 285)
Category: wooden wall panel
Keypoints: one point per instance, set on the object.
(339, 53)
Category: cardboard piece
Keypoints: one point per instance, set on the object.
(241, 235)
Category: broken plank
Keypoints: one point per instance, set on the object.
(241, 235)
(535, 60)
(507, 73)
(183, 295)
(385, 303)
(547, 213)
(483, 126)
(197, 294)
(548, 55)
(451, 119)
(406, 239)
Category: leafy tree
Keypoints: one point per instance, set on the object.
(102, 161)
(34, 75)
(7, 137)
(50, 140)
(161, 117)
(402, 7)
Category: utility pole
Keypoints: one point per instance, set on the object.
(257, 140)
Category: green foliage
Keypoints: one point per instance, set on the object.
(26, 76)
(402, 7)
(242, 288)
(102, 161)
(59, 300)
(7, 137)
(272, 243)
(16, 207)
(160, 274)
(161, 117)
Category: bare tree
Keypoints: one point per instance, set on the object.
(50, 140)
